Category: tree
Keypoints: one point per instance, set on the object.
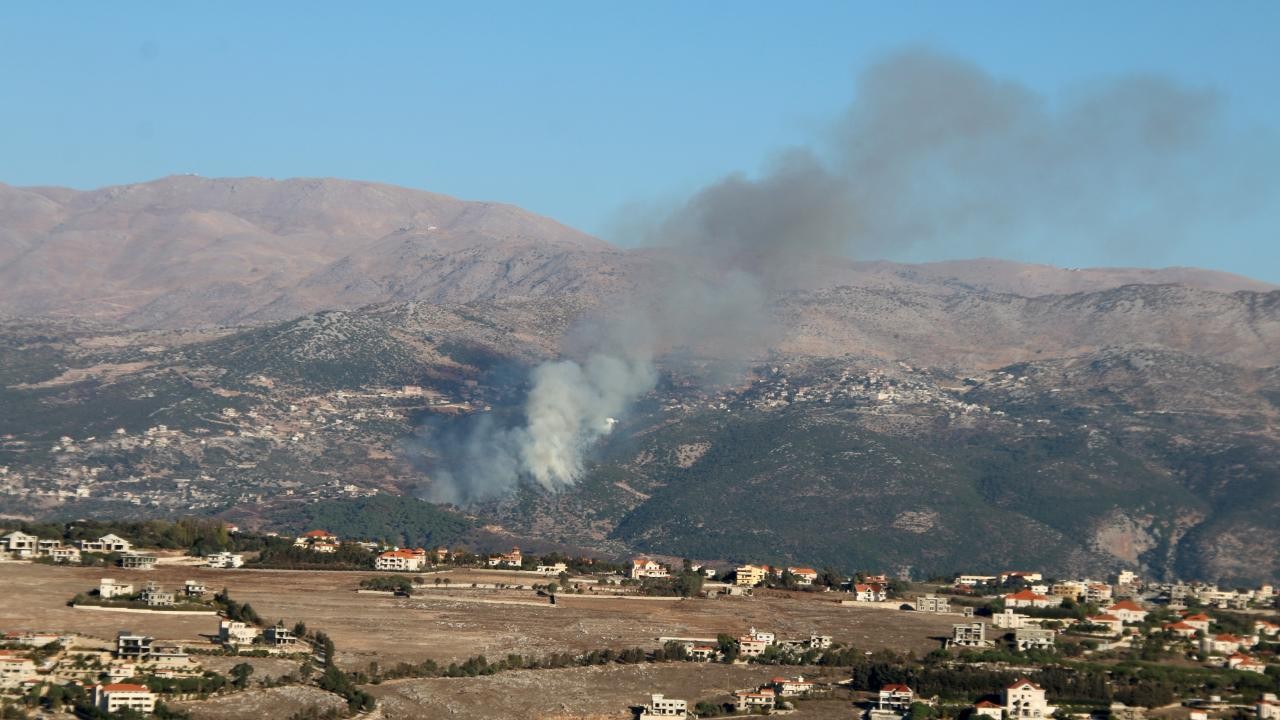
(240, 675)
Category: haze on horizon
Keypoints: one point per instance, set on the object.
(606, 119)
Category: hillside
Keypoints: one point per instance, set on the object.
(252, 349)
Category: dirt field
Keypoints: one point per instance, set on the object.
(273, 704)
(453, 624)
(580, 693)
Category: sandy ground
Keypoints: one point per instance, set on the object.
(449, 625)
(273, 704)
(581, 693)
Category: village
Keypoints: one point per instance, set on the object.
(820, 625)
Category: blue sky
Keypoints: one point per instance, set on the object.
(574, 110)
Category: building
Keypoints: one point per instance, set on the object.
(108, 588)
(65, 554)
(15, 669)
(131, 646)
(402, 560)
(969, 635)
(1008, 619)
(643, 567)
(553, 569)
(933, 604)
(1182, 629)
(137, 561)
(1240, 661)
(106, 544)
(986, 708)
(512, 559)
(1073, 589)
(19, 544)
(895, 697)
(1028, 638)
(235, 633)
(1028, 598)
(1025, 699)
(750, 575)
(279, 636)
(1268, 708)
(819, 642)
(124, 696)
(1199, 621)
(972, 580)
(224, 560)
(749, 700)
(662, 706)
(1097, 593)
(1027, 577)
(1221, 644)
(791, 687)
(153, 596)
(1113, 624)
(803, 575)
(868, 593)
(194, 588)
(1128, 611)
(749, 647)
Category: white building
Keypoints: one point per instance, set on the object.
(1025, 699)
(554, 569)
(1268, 708)
(224, 560)
(124, 696)
(108, 588)
(234, 632)
(661, 706)
(105, 544)
(643, 567)
(15, 669)
(402, 560)
(19, 544)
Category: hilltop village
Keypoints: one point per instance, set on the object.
(196, 614)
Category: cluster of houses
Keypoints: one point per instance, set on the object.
(23, 546)
(234, 635)
(151, 594)
(753, 644)
(760, 699)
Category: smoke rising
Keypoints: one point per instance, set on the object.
(933, 153)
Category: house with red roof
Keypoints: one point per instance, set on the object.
(1199, 621)
(791, 687)
(643, 567)
(402, 560)
(748, 700)
(1223, 644)
(803, 575)
(1240, 661)
(896, 696)
(865, 592)
(1025, 699)
(1128, 611)
(1182, 629)
(986, 708)
(1113, 624)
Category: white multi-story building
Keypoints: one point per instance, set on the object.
(105, 544)
(124, 696)
(1025, 699)
(662, 706)
(15, 669)
(643, 567)
(19, 544)
(402, 560)
(234, 632)
(224, 560)
(108, 588)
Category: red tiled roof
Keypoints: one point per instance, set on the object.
(1026, 595)
(318, 534)
(125, 687)
(986, 704)
(1104, 618)
(895, 687)
(1127, 605)
(1199, 617)
(1021, 682)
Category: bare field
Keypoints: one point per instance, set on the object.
(590, 693)
(270, 704)
(452, 624)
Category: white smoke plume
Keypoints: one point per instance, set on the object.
(933, 153)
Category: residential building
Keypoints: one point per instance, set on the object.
(749, 647)
(15, 669)
(194, 588)
(933, 604)
(402, 560)
(1097, 593)
(553, 569)
(312, 538)
(1221, 644)
(154, 596)
(224, 560)
(662, 706)
(972, 580)
(750, 575)
(803, 575)
(791, 687)
(1113, 624)
(1025, 699)
(1199, 621)
(1182, 629)
(986, 708)
(868, 593)
(767, 638)
(19, 544)
(1027, 598)
(896, 696)
(1128, 611)
(279, 636)
(1240, 661)
(512, 559)
(748, 700)
(137, 561)
(1028, 638)
(1268, 708)
(65, 554)
(234, 632)
(132, 646)
(1266, 628)
(1073, 589)
(1008, 619)
(1027, 577)
(106, 544)
(115, 697)
(819, 642)
(969, 635)
(643, 567)
(108, 588)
